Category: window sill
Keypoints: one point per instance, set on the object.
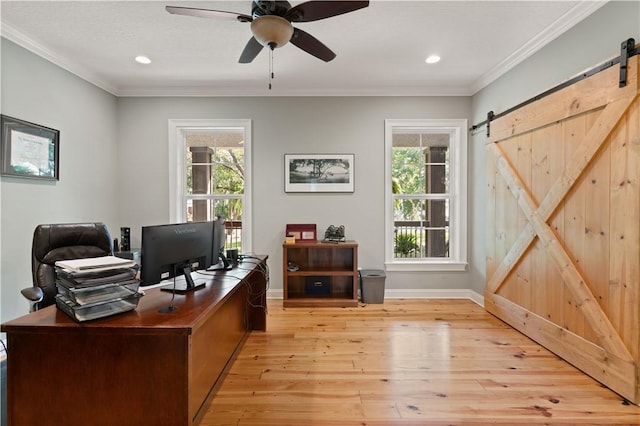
(422, 265)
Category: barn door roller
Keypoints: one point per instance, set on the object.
(627, 50)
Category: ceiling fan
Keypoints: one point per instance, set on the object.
(271, 24)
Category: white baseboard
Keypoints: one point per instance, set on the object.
(456, 293)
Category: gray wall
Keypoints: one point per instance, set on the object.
(280, 126)
(35, 90)
(114, 153)
(592, 42)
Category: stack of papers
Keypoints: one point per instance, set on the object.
(95, 264)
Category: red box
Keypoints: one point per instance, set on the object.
(302, 232)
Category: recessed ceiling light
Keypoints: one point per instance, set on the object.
(143, 59)
(432, 59)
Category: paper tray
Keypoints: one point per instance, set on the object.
(98, 294)
(94, 311)
(95, 278)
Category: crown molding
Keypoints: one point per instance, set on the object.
(19, 38)
(572, 17)
(561, 25)
(216, 91)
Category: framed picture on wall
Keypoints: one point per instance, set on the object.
(319, 172)
(29, 150)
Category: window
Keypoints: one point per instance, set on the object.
(211, 159)
(425, 194)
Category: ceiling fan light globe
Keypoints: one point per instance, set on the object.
(271, 30)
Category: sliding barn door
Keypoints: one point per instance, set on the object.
(563, 255)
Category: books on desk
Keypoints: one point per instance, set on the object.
(95, 288)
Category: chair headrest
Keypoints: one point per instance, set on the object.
(54, 242)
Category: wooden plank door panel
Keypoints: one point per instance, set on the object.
(563, 252)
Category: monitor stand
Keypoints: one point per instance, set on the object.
(180, 287)
(226, 266)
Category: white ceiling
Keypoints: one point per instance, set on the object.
(380, 49)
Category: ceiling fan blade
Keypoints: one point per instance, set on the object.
(311, 45)
(250, 51)
(207, 13)
(315, 10)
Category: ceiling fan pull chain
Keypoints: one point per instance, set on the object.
(271, 75)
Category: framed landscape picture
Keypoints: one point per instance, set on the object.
(29, 150)
(319, 172)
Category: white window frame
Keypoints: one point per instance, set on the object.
(457, 260)
(178, 128)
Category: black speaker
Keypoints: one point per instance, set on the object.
(125, 239)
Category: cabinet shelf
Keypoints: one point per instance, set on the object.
(327, 274)
(311, 302)
(323, 272)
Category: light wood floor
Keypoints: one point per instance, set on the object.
(406, 362)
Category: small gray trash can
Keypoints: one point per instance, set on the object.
(372, 285)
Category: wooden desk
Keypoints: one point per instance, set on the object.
(137, 368)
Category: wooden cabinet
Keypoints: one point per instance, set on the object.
(320, 274)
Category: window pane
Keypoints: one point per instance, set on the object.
(408, 228)
(407, 160)
(230, 209)
(409, 210)
(420, 162)
(437, 213)
(436, 242)
(209, 209)
(421, 228)
(215, 162)
(425, 194)
(437, 169)
(407, 171)
(211, 174)
(228, 173)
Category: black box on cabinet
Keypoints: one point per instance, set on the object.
(318, 285)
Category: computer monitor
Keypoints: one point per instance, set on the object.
(169, 251)
(219, 239)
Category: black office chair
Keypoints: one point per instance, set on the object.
(62, 242)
